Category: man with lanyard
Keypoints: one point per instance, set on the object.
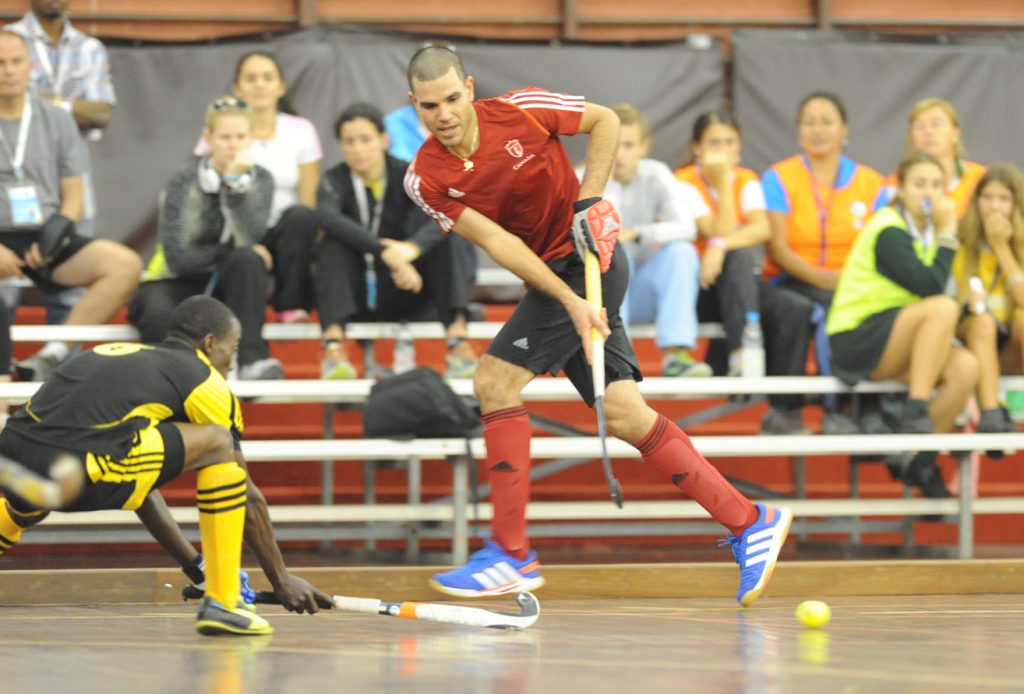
(41, 165)
(495, 173)
(70, 70)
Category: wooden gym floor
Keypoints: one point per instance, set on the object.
(962, 639)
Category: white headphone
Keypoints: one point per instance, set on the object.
(211, 182)
(209, 179)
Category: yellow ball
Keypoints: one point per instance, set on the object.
(814, 613)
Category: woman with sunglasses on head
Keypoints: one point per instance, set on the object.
(213, 219)
(289, 148)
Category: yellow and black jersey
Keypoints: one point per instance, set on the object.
(97, 401)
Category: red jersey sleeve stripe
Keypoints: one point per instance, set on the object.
(412, 189)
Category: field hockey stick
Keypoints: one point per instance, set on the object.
(529, 611)
(65, 481)
(592, 276)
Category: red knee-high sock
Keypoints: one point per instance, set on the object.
(507, 434)
(669, 450)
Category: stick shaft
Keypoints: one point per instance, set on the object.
(592, 275)
(424, 611)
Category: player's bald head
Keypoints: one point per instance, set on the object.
(434, 62)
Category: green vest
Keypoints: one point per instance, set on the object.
(862, 291)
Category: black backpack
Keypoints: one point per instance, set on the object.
(418, 403)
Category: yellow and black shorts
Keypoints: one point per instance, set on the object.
(157, 456)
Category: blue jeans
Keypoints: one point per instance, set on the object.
(663, 290)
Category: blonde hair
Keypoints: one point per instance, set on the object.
(227, 106)
(971, 232)
(630, 115)
(947, 108)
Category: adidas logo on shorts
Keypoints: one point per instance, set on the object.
(522, 343)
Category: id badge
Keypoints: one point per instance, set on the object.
(25, 210)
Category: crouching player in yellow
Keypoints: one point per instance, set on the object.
(137, 416)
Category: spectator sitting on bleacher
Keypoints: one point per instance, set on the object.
(659, 217)
(41, 165)
(732, 241)
(380, 256)
(71, 70)
(891, 319)
(992, 250)
(213, 217)
(288, 147)
(818, 202)
(935, 129)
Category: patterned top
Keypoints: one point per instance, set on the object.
(521, 177)
(76, 67)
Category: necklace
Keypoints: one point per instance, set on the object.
(467, 163)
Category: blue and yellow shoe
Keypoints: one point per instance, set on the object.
(757, 550)
(491, 571)
(214, 619)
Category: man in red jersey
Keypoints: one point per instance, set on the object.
(495, 173)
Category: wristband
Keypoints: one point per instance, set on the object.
(717, 242)
(950, 242)
(238, 183)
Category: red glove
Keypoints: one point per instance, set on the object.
(596, 225)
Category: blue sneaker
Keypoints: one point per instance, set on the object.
(491, 571)
(757, 550)
(247, 593)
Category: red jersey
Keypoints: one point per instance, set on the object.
(521, 176)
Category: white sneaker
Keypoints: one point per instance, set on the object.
(261, 370)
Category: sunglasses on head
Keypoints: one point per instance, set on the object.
(228, 102)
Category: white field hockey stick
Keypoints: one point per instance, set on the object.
(529, 611)
(66, 477)
(592, 276)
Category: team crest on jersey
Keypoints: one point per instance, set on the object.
(514, 147)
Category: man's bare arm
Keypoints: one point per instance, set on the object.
(509, 251)
(602, 124)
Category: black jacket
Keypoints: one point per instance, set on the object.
(400, 218)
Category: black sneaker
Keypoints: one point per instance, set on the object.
(38, 367)
(213, 619)
(780, 422)
(923, 472)
(838, 424)
(917, 425)
(872, 422)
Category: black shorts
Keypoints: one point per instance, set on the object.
(539, 335)
(20, 241)
(156, 457)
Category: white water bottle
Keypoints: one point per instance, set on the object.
(405, 350)
(752, 347)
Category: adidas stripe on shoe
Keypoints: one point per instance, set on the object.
(757, 550)
(491, 571)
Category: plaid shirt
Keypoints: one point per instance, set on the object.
(78, 63)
